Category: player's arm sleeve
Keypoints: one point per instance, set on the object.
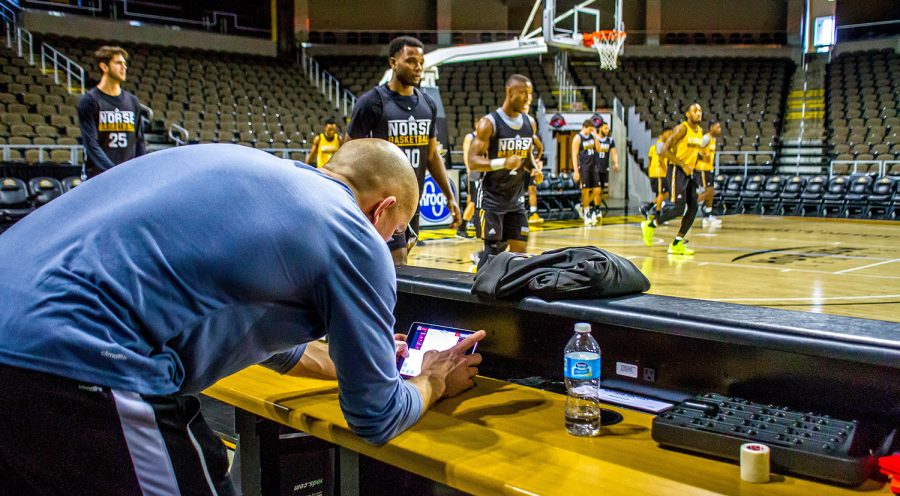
(285, 361)
(87, 121)
(139, 146)
(366, 114)
(356, 301)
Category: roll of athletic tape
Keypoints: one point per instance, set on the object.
(755, 463)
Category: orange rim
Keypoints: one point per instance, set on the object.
(605, 35)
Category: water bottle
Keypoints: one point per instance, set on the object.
(582, 362)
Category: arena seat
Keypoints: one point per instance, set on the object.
(44, 190)
(770, 196)
(789, 199)
(857, 197)
(861, 107)
(749, 196)
(811, 198)
(731, 196)
(14, 200)
(834, 197)
(878, 203)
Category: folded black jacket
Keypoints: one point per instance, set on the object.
(566, 273)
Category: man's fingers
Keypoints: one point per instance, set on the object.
(469, 342)
(473, 359)
(473, 371)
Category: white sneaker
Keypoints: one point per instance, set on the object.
(588, 220)
(598, 217)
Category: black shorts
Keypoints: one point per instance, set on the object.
(472, 193)
(604, 177)
(679, 184)
(66, 437)
(505, 226)
(398, 241)
(658, 185)
(589, 175)
(705, 179)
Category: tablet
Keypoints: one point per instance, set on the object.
(426, 337)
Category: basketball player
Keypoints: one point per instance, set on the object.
(705, 171)
(586, 171)
(399, 112)
(656, 171)
(472, 177)
(502, 150)
(606, 153)
(325, 144)
(681, 150)
(109, 116)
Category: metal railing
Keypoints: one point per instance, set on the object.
(23, 37)
(854, 166)
(182, 134)
(60, 63)
(73, 151)
(342, 98)
(745, 166)
(8, 14)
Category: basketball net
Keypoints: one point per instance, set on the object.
(608, 44)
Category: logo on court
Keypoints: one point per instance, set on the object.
(433, 204)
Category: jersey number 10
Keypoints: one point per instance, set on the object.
(414, 155)
(118, 140)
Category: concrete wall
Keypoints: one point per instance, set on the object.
(383, 15)
(724, 15)
(483, 15)
(106, 30)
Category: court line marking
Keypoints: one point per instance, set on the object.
(810, 299)
(765, 267)
(867, 266)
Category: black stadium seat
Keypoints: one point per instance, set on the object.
(879, 202)
(811, 198)
(44, 189)
(731, 196)
(70, 183)
(14, 202)
(857, 198)
(833, 198)
(770, 196)
(789, 199)
(750, 193)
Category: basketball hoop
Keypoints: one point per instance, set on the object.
(608, 44)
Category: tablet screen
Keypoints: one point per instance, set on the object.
(426, 337)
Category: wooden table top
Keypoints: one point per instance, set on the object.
(501, 438)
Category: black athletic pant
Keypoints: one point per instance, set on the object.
(66, 437)
(685, 202)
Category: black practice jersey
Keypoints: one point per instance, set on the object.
(503, 190)
(606, 144)
(406, 121)
(586, 155)
(110, 128)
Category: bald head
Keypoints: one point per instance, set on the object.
(376, 169)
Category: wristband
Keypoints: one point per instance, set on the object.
(498, 163)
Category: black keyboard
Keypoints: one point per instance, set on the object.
(800, 443)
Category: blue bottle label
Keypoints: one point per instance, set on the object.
(582, 366)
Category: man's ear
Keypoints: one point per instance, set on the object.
(381, 207)
(104, 68)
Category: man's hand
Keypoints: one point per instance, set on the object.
(576, 176)
(401, 349)
(538, 176)
(513, 162)
(616, 167)
(448, 373)
(454, 211)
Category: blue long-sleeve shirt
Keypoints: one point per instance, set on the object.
(180, 267)
(110, 128)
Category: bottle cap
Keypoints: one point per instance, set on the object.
(582, 327)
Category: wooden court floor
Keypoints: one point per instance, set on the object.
(833, 266)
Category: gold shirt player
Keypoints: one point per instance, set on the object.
(325, 144)
(682, 150)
